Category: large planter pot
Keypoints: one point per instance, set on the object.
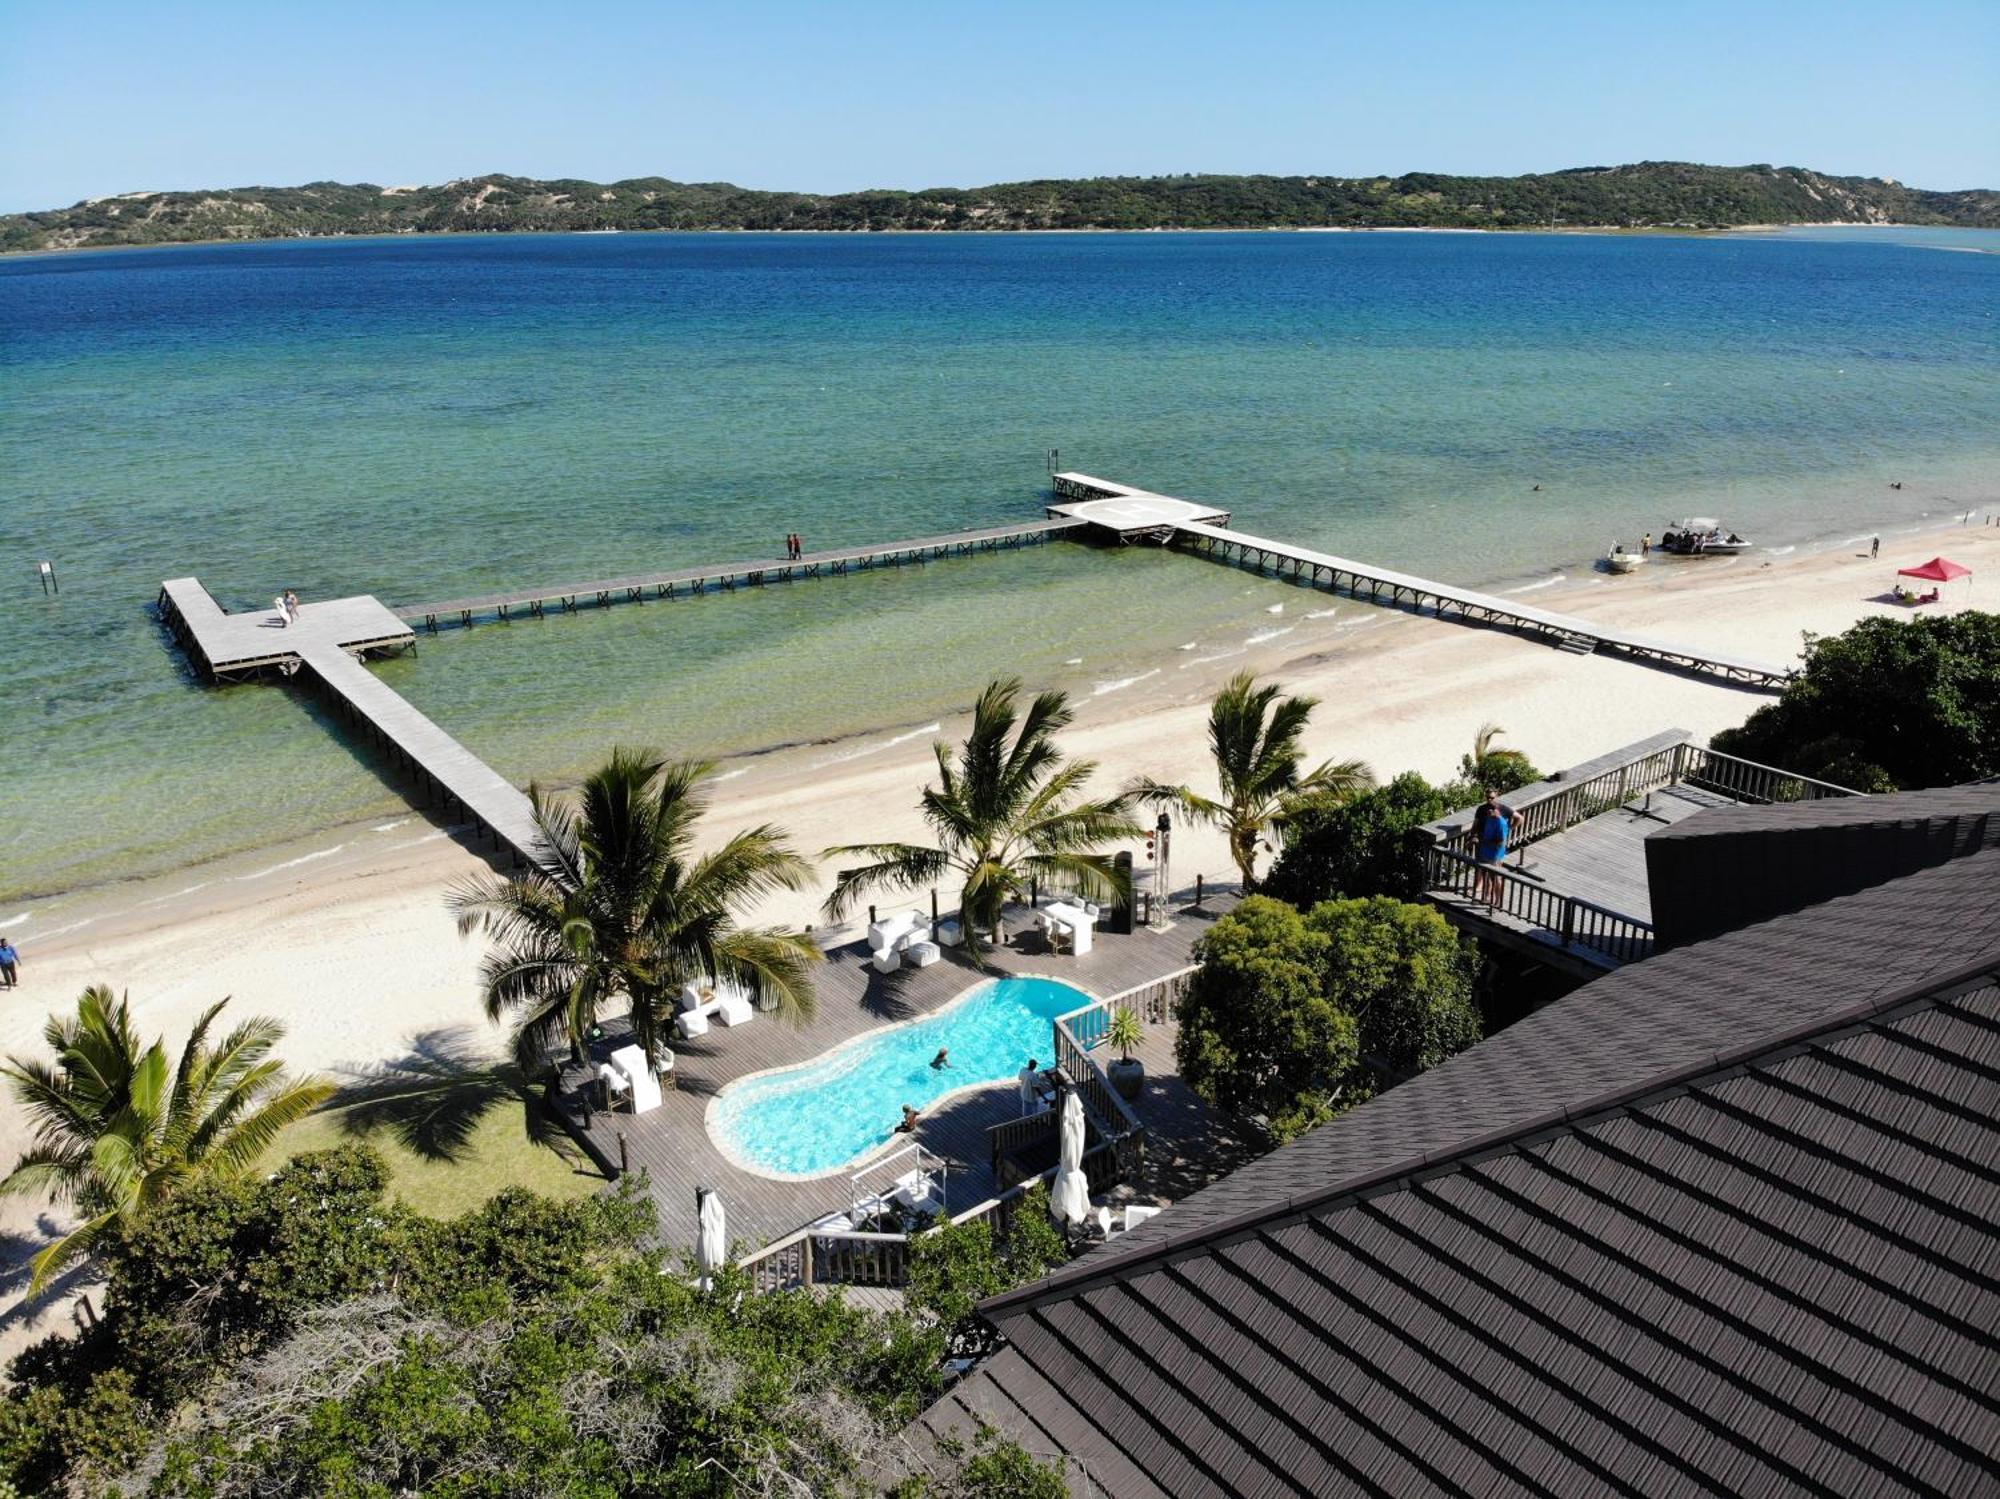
(1128, 1077)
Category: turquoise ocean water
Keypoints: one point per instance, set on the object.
(425, 418)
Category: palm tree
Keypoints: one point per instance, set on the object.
(1489, 765)
(1254, 733)
(115, 1135)
(621, 905)
(1004, 817)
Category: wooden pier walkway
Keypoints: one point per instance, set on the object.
(455, 776)
(569, 597)
(327, 643)
(1137, 512)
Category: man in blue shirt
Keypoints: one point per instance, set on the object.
(1492, 825)
(10, 960)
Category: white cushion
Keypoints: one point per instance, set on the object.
(692, 1023)
(950, 933)
(733, 1009)
(921, 954)
(885, 959)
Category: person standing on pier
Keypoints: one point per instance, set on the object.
(10, 963)
(291, 606)
(798, 546)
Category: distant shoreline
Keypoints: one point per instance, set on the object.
(1668, 230)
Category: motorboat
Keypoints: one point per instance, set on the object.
(1702, 536)
(1621, 560)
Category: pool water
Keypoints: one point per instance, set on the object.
(822, 1115)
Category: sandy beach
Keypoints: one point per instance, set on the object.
(346, 938)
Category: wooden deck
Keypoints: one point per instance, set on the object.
(228, 647)
(569, 597)
(1601, 861)
(672, 1146)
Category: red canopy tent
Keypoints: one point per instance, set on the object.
(1937, 570)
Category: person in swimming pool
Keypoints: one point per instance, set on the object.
(942, 1060)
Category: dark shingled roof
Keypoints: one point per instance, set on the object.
(1724, 1220)
(1729, 866)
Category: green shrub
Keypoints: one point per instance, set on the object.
(1367, 845)
(1891, 704)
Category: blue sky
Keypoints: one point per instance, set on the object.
(99, 97)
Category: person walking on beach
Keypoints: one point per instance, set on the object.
(1646, 545)
(1491, 825)
(1874, 549)
(10, 963)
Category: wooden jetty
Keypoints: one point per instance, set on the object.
(569, 597)
(1140, 514)
(326, 643)
(226, 647)
(456, 777)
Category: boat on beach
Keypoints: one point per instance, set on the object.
(1621, 560)
(1702, 536)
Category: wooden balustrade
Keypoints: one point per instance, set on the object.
(1576, 923)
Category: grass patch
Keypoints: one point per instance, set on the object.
(454, 1124)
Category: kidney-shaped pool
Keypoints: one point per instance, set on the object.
(823, 1115)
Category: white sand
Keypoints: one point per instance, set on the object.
(355, 951)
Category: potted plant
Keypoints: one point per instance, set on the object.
(1128, 1073)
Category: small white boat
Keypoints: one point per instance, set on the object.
(1619, 560)
(1702, 536)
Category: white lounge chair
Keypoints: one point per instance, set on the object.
(616, 1084)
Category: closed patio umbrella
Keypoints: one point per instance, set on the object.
(1069, 1199)
(711, 1245)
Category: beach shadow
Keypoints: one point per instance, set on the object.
(50, 1311)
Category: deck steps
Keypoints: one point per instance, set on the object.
(1578, 645)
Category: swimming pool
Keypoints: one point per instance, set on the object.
(822, 1115)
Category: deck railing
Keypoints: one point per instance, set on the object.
(1578, 925)
(1552, 806)
(809, 1257)
(1747, 781)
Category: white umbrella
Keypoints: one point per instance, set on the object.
(1069, 1199)
(711, 1245)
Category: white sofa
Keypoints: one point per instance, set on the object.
(720, 1000)
(898, 929)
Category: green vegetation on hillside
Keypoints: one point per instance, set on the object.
(1647, 195)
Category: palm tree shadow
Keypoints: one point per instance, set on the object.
(432, 1100)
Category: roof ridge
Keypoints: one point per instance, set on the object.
(1081, 1276)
